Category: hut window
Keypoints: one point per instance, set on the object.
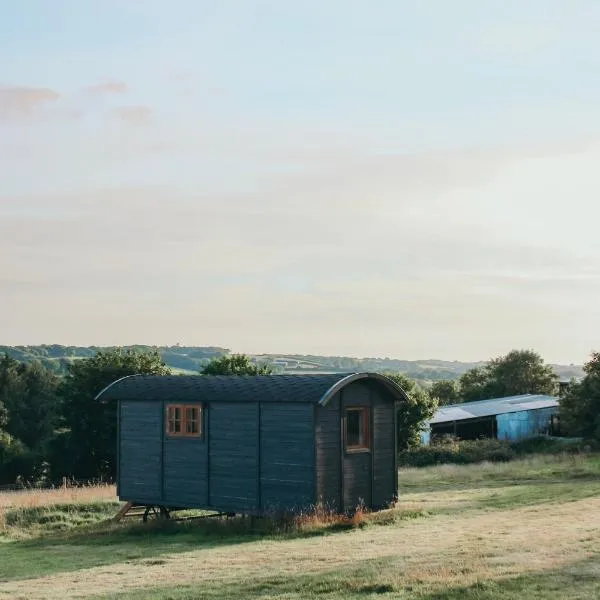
(184, 419)
(357, 428)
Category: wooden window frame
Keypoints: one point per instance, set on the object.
(184, 408)
(365, 424)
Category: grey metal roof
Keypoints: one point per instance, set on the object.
(316, 389)
(494, 406)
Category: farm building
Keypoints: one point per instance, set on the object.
(512, 418)
(256, 444)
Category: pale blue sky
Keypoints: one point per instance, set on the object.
(416, 179)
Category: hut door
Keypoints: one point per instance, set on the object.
(357, 448)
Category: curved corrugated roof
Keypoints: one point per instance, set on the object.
(494, 406)
(316, 389)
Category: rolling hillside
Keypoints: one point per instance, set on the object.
(190, 359)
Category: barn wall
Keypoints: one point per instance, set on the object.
(287, 475)
(524, 424)
(384, 448)
(185, 469)
(140, 451)
(328, 453)
(233, 456)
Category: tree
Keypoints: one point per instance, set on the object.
(234, 364)
(519, 372)
(475, 384)
(446, 391)
(580, 407)
(31, 401)
(87, 445)
(413, 413)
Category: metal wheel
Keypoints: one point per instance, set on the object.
(156, 513)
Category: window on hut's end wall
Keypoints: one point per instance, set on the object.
(357, 429)
(184, 420)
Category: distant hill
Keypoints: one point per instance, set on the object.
(190, 359)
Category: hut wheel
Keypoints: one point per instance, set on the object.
(156, 513)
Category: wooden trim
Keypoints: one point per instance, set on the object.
(183, 420)
(365, 423)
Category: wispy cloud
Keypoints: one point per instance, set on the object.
(134, 115)
(22, 102)
(108, 87)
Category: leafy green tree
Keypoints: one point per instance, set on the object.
(86, 447)
(475, 384)
(519, 372)
(412, 414)
(30, 399)
(234, 364)
(580, 406)
(446, 391)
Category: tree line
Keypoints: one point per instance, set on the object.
(51, 426)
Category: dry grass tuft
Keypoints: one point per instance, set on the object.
(34, 498)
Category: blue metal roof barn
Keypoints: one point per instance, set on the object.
(510, 418)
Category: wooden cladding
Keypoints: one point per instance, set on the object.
(184, 420)
(358, 431)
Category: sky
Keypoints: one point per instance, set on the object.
(404, 178)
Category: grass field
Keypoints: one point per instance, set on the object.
(528, 529)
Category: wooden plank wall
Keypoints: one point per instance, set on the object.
(286, 456)
(140, 451)
(328, 454)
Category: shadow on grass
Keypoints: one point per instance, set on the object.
(383, 578)
(109, 543)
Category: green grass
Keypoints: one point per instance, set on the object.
(480, 523)
(537, 469)
(376, 579)
(39, 520)
(87, 538)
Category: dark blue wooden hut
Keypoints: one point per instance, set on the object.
(256, 444)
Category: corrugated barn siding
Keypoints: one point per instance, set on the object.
(140, 451)
(328, 453)
(384, 446)
(233, 456)
(523, 424)
(286, 456)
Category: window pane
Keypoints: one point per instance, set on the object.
(353, 428)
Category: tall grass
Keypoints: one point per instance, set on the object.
(21, 501)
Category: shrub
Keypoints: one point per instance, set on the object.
(449, 450)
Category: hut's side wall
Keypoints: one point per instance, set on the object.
(233, 456)
(287, 461)
(140, 451)
(385, 475)
(185, 469)
(328, 453)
